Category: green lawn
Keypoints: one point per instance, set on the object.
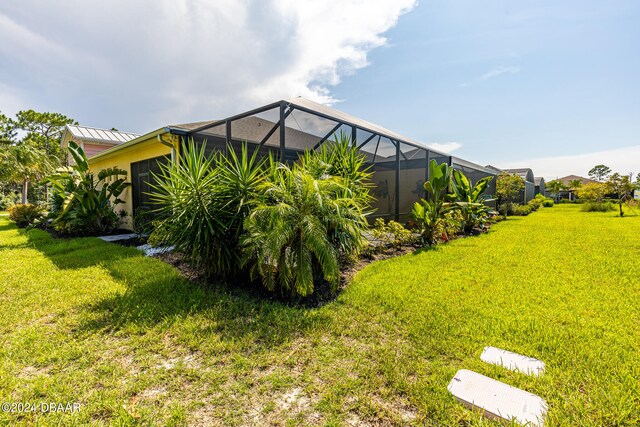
(132, 342)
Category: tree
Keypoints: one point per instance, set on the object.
(621, 186)
(592, 191)
(508, 186)
(575, 183)
(22, 164)
(599, 172)
(555, 187)
(44, 129)
(7, 131)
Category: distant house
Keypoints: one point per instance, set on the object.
(94, 140)
(569, 192)
(540, 187)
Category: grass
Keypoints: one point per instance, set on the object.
(135, 344)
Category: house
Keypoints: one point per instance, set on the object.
(568, 182)
(93, 140)
(286, 129)
(539, 183)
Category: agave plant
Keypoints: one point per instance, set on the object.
(82, 202)
(469, 199)
(430, 213)
(288, 242)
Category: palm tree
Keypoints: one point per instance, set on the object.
(289, 237)
(555, 187)
(22, 164)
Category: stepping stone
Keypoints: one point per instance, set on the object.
(512, 361)
(498, 401)
(117, 237)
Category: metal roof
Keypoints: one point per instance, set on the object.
(100, 135)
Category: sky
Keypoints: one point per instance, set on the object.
(543, 84)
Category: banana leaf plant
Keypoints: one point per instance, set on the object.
(470, 200)
(83, 202)
(430, 212)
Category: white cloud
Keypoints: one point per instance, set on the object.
(445, 147)
(622, 160)
(140, 65)
(495, 72)
(499, 71)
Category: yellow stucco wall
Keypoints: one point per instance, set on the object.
(122, 158)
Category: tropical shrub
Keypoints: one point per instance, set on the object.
(82, 202)
(288, 236)
(340, 158)
(391, 234)
(470, 201)
(547, 203)
(522, 210)
(429, 213)
(25, 214)
(535, 204)
(201, 203)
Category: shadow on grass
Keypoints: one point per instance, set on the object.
(156, 294)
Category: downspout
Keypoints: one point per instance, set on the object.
(170, 145)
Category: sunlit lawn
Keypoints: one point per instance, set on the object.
(134, 343)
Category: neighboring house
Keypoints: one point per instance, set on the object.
(399, 164)
(93, 140)
(540, 187)
(569, 192)
(529, 190)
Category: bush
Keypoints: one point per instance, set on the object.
(289, 237)
(25, 215)
(565, 201)
(506, 209)
(535, 204)
(523, 210)
(547, 203)
(391, 234)
(589, 206)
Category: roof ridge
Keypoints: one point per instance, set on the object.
(105, 130)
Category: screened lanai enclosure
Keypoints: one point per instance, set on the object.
(288, 128)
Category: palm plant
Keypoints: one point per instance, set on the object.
(429, 213)
(469, 199)
(555, 187)
(23, 163)
(82, 202)
(288, 241)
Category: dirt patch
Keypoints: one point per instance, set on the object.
(30, 372)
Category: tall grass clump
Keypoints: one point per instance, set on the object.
(594, 206)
